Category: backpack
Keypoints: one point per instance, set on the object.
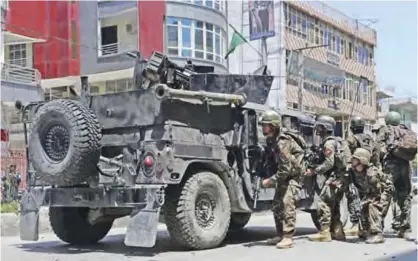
(342, 153)
(298, 138)
(403, 143)
(365, 141)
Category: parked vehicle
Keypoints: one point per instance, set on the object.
(183, 144)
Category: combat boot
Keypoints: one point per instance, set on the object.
(375, 239)
(322, 236)
(404, 233)
(338, 232)
(286, 242)
(352, 231)
(273, 241)
(363, 235)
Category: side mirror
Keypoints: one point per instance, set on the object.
(19, 105)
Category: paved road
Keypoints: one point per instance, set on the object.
(244, 245)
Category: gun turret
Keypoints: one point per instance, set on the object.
(164, 92)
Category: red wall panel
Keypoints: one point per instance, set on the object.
(151, 26)
(49, 20)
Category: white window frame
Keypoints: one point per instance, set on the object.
(23, 60)
(217, 58)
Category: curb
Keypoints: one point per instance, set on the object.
(10, 222)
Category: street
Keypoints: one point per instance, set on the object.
(243, 245)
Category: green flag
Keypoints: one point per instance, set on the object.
(237, 39)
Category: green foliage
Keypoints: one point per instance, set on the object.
(10, 207)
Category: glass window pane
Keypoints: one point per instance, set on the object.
(186, 37)
(172, 21)
(209, 56)
(173, 51)
(217, 29)
(130, 84)
(186, 53)
(217, 5)
(199, 24)
(110, 86)
(209, 42)
(186, 22)
(121, 85)
(209, 3)
(198, 2)
(172, 36)
(198, 39)
(199, 55)
(217, 44)
(209, 27)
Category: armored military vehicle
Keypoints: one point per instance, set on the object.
(183, 145)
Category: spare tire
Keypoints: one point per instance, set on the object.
(65, 143)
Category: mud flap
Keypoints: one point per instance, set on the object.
(30, 204)
(143, 226)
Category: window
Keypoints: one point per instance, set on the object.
(17, 54)
(191, 38)
(297, 23)
(109, 37)
(73, 40)
(365, 91)
(215, 4)
(121, 85)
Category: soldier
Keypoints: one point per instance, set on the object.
(332, 168)
(289, 155)
(369, 179)
(359, 139)
(399, 171)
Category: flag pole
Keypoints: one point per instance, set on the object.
(248, 42)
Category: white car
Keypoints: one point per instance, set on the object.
(414, 185)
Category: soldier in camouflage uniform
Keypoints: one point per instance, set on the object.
(399, 172)
(369, 181)
(286, 180)
(356, 139)
(332, 191)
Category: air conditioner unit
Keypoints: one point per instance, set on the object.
(130, 29)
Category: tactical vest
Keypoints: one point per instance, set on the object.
(342, 152)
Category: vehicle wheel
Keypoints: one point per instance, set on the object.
(239, 220)
(344, 214)
(70, 225)
(65, 143)
(198, 213)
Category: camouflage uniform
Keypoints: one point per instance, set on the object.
(399, 172)
(328, 205)
(371, 186)
(357, 125)
(286, 179)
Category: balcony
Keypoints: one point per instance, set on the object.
(20, 74)
(110, 49)
(118, 34)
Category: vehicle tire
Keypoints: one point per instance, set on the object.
(70, 225)
(65, 143)
(344, 214)
(239, 220)
(197, 214)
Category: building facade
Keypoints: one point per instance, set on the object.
(92, 37)
(337, 74)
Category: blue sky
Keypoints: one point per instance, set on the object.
(396, 52)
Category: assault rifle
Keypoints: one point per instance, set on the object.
(354, 195)
(312, 157)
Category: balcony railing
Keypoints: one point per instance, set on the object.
(19, 74)
(109, 49)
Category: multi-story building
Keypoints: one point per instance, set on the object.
(338, 79)
(19, 79)
(92, 37)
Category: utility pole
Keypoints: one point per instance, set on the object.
(300, 71)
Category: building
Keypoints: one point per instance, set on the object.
(92, 37)
(19, 79)
(338, 80)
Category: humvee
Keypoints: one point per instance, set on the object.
(183, 145)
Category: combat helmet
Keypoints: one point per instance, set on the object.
(393, 118)
(327, 121)
(357, 124)
(271, 117)
(362, 155)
